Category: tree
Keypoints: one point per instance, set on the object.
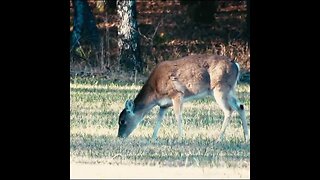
(128, 37)
(201, 12)
(248, 21)
(84, 25)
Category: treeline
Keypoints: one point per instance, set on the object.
(110, 35)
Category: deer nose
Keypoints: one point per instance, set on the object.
(122, 135)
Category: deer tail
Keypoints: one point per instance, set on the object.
(238, 73)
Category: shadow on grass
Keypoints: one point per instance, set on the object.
(165, 152)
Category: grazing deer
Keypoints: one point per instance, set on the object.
(172, 83)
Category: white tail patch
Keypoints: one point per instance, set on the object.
(238, 74)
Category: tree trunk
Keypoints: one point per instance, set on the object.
(128, 37)
(248, 21)
(84, 25)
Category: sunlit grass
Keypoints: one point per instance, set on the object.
(95, 107)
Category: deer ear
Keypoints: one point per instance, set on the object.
(129, 106)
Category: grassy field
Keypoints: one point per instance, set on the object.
(94, 109)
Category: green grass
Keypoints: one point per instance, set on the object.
(94, 109)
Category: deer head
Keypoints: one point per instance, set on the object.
(128, 120)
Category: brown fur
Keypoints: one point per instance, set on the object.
(194, 74)
(172, 83)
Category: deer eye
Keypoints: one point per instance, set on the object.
(122, 122)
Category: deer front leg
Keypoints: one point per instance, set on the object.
(177, 108)
(244, 122)
(160, 117)
(226, 121)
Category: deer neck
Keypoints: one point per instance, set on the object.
(144, 101)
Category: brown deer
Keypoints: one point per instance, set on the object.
(172, 83)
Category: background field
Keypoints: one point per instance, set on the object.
(95, 152)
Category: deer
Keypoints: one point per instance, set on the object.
(174, 82)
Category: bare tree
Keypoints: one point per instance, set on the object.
(128, 36)
(248, 21)
(84, 25)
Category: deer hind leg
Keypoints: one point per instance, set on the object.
(228, 102)
(221, 94)
(239, 107)
(177, 108)
(160, 117)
